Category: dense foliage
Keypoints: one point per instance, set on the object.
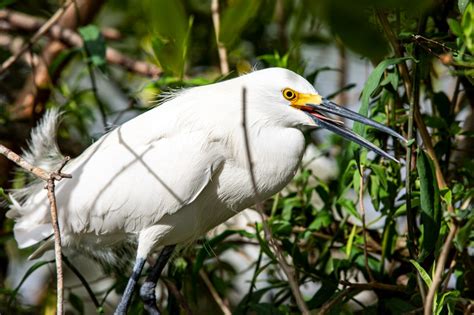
(420, 83)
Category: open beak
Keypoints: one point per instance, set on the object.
(316, 107)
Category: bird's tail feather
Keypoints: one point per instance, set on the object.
(32, 221)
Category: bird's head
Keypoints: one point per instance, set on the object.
(296, 92)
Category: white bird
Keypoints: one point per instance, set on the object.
(175, 172)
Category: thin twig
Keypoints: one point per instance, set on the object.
(178, 296)
(364, 229)
(443, 257)
(41, 31)
(338, 299)
(225, 310)
(50, 178)
(220, 46)
(294, 286)
(411, 216)
(50, 186)
(12, 156)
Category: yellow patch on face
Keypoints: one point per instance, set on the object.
(299, 100)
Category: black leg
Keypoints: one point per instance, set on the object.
(127, 294)
(147, 291)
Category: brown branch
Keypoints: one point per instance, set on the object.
(364, 229)
(24, 22)
(40, 32)
(50, 178)
(338, 299)
(293, 282)
(12, 156)
(220, 46)
(443, 257)
(225, 310)
(178, 296)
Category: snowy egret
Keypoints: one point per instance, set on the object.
(178, 170)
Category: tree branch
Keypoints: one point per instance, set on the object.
(24, 22)
(50, 178)
(220, 46)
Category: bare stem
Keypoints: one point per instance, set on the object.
(225, 310)
(50, 178)
(220, 46)
(440, 265)
(364, 229)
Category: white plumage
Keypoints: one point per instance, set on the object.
(176, 171)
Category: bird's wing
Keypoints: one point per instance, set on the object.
(125, 184)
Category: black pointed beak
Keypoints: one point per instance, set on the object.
(317, 113)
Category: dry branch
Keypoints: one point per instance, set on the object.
(220, 46)
(225, 310)
(50, 178)
(24, 22)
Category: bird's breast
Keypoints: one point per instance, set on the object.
(275, 155)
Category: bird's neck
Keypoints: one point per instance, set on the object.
(275, 153)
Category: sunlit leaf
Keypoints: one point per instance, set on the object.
(94, 44)
(424, 275)
(370, 86)
(170, 26)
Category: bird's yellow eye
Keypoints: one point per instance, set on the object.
(289, 94)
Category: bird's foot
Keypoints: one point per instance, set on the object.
(147, 293)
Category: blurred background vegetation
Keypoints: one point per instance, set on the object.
(363, 235)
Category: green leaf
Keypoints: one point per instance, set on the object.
(349, 206)
(4, 3)
(429, 203)
(76, 303)
(326, 291)
(351, 22)
(350, 241)
(375, 190)
(446, 298)
(464, 234)
(455, 27)
(171, 29)
(370, 86)
(4, 195)
(30, 270)
(467, 24)
(424, 275)
(94, 44)
(323, 219)
(235, 17)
